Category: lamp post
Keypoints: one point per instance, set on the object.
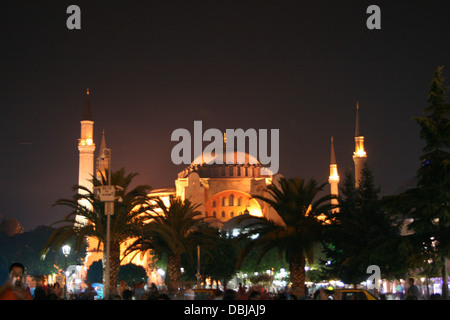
(198, 267)
(66, 252)
(107, 194)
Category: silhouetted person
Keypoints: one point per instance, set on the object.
(15, 288)
(127, 294)
(412, 290)
(254, 295)
(229, 295)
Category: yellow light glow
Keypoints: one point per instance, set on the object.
(334, 177)
(308, 210)
(360, 153)
(86, 142)
(359, 147)
(256, 212)
(333, 173)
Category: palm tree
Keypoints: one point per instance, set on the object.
(173, 230)
(125, 222)
(301, 230)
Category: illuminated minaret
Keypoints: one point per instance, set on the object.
(86, 148)
(359, 156)
(333, 179)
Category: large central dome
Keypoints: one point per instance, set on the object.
(216, 166)
(237, 157)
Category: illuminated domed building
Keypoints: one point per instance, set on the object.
(225, 190)
(222, 190)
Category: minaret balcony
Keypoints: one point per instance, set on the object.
(359, 154)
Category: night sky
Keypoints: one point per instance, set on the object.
(155, 66)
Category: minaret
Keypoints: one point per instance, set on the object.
(102, 160)
(359, 156)
(86, 148)
(333, 179)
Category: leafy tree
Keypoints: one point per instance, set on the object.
(344, 237)
(132, 273)
(295, 202)
(361, 233)
(95, 272)
(428, 203)
(125, 223)
(217, 260)
(26, 248)
(271, 260)
(172, 231)
(10, 226)
(432, 217)
(381, 231)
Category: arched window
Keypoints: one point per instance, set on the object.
(231, 200)
(214, 203)
(223, 214)
(231, 214)
(214, 214)
(239, 201)
(223, 201)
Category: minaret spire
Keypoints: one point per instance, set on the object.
(333, 179)
(103, 144)
(357, 128)
(360, 155)
(332, 156)
(87, 113)
(102, 160)
(86, 147)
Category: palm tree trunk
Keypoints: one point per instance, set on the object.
(114, 266)
(297, 269)
(173, 272)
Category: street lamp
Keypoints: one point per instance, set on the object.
(66, 252)
(107, 194)
(198, 267)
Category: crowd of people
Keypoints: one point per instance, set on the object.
(16, 289)
(242, 293)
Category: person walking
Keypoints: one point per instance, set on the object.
(89, 292)
(122, 287)
(57, 291)
(189, 294)
(15, 288)
(412, 292)
(139, 291)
